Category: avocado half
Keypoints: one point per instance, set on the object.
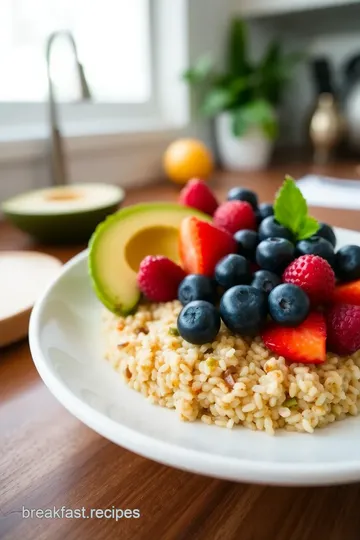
(121, 242)
(64, 214)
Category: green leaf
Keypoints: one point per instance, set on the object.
(200, 71)
(308, 228)
(239, 123)
(271, 128)
(272, 56)
(217, 100)
(290, 209)
(237, 49)
(255, 113)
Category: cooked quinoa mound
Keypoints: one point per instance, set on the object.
(230, 381)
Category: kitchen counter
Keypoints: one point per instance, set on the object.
(48, 458)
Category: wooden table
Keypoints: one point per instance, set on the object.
(48, 458)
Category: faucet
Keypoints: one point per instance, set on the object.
(59, 173)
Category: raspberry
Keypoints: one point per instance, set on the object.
(159, 278)
(314, 275)
(233, 216)
(343, 324)
(197, 194)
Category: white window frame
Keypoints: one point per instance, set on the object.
(167, 109)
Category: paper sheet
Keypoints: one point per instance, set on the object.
(330, 192)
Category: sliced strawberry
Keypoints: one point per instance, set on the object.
(348, 293)
(306, 343)
(202, 245)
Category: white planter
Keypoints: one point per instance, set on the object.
(249, 152)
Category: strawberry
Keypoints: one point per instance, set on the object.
(347, 293)
(304, 343)
(202, 245)
(233, 216)
(159, 278)
(197, 194)
(343, 326)
(314, 275)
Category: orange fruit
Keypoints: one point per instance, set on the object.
(187, 158)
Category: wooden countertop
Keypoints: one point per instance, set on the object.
(48, 458)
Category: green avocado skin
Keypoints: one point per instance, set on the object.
(109, 303)
(70, 228)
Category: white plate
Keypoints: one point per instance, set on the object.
(65, 344)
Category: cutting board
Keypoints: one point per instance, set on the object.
(23, 277)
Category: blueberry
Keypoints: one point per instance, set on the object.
(275, 254)
(288, 305)
(269, 227)
(347, 263)
(232, 270)
(242, 194)
(316, 246)
(199, 322)
(327, 232)
(265, 210)
(265, 281)
(247, 242)
(196, 287)
(244, 309)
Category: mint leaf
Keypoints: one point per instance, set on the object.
(290, 206)
(308, 228)
(290, 209)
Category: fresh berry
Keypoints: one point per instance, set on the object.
(270, 228)
(288, 305)
(242, 194)
(314, 275)
(265, 281)
(196, 287)
(274, 254)
(244, 309)
(197, 194)
(202, 245)
(343, 328)
(232, 270)
(316, 246)
(306, 343)
(233, 216)
(159, 278)
(327, 232)
(347, 263)
(347, 293)
(199, 322)
(265, 210)
(247, 242)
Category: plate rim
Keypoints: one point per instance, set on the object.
(195, 461)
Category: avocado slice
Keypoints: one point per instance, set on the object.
(63, 214)
(120, 243)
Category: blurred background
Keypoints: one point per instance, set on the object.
(160, 70)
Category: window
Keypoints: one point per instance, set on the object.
(113, 44)
(132, 51)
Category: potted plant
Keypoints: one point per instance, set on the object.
(244, 99)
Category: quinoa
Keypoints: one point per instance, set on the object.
(231, 381)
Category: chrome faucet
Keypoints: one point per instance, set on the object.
(59, 173)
